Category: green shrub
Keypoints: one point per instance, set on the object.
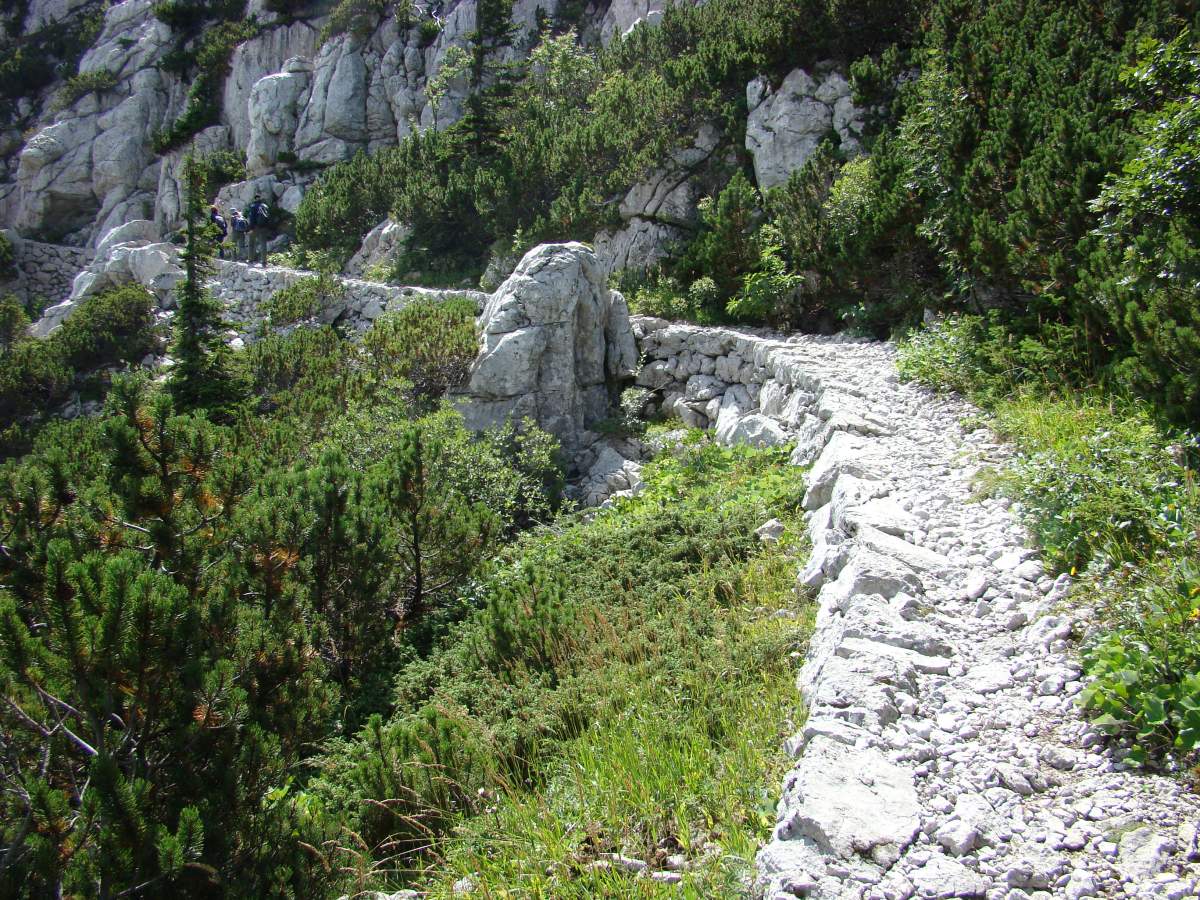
(8, 259)
(1095, 482)
(428, 31)
(214, 46)
(303, 299)
(221, 167)
(656, 294)
(109, 329)
(361, 17)
(436, 341)
(35, 62)
(987, 359)
(1145, 685)
(583, 630)
(14, 322)
(76, 86)
(726, 247)
(770, 293)
(1149, 231)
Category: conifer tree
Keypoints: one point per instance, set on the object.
(201, 376)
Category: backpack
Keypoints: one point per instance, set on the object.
(219, 221)
(259, 214)
(240, 225)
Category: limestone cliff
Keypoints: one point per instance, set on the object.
(297, 99)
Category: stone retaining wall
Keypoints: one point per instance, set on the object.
(751, 388)
(244, 289)
(44, 271)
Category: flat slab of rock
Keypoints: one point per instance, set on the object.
(851, 802)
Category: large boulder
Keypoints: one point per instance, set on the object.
(381, 245)
(555, 344)
(786, 126)
(273, 112)
(271, 52)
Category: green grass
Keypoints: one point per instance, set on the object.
(687, 771)
(624, 687)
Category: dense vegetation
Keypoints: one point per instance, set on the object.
(276, 624)
(548, 147)
(110, 330)
(190, 607)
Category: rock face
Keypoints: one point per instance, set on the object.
(623, 16)
(787, 125)
(381, 245)
(93, 168)
(661, 211)
(287, 99)
(555, 341)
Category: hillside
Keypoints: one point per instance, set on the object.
(612, 448)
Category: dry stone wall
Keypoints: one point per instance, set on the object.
(44, 271)
(244, 289)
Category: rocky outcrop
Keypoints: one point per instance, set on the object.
(786, 125)
(555, 342)
(380, 246)
(287, 99)
(264, 56)
(132, 254)
(93, 168)
(622, 16)
(243, 290)
(661, 212)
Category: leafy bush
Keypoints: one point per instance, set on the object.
(428, 31)
(1149, 230)
(657, 294)
(727, 246)
(769, 293)
(221, 167)
(109, 329)
(87, 83)
(1094, 482)
(303, 299)
(14, 322)
(1145, 674)
(436, 340)
(361, 17)
(8, 260)
(987, 360)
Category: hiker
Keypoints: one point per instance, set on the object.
(214, 216)
(260, 218)
(241, 236)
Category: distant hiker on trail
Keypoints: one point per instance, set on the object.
(214, 216)
(260, 219)
(241, 236)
